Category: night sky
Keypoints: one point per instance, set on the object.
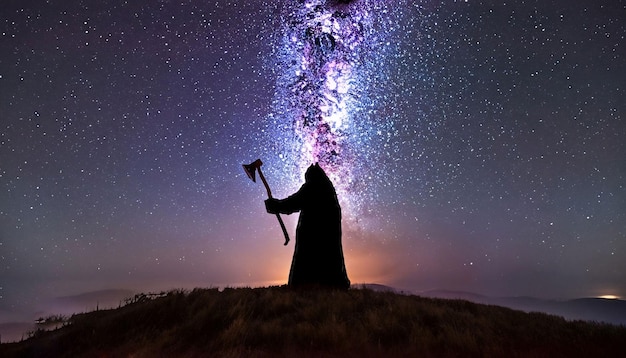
(475, 145)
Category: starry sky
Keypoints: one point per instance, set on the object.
(475, 145)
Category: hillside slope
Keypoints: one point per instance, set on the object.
(278, 321)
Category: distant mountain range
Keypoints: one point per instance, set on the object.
(91, 301)
(611, 311)
(586, 309)
(66, 305)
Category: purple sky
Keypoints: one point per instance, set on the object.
(485, 148)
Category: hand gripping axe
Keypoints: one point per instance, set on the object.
(250, 170)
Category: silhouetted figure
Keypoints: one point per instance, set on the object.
(318, 256)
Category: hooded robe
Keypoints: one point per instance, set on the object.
(318, 256)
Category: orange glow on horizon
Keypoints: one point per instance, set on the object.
(362, 267)
(270, 265)
(610, 297)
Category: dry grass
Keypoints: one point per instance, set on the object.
(278, 321)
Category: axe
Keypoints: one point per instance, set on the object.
(250, 170)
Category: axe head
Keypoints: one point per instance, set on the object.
(250, 169)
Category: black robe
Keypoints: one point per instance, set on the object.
(318, 257)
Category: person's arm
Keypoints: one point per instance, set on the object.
(288, 205)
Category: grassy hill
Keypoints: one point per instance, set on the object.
(277, 321)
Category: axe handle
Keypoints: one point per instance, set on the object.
(282, 226)
(269, 195)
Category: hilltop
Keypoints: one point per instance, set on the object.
(278, 321)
